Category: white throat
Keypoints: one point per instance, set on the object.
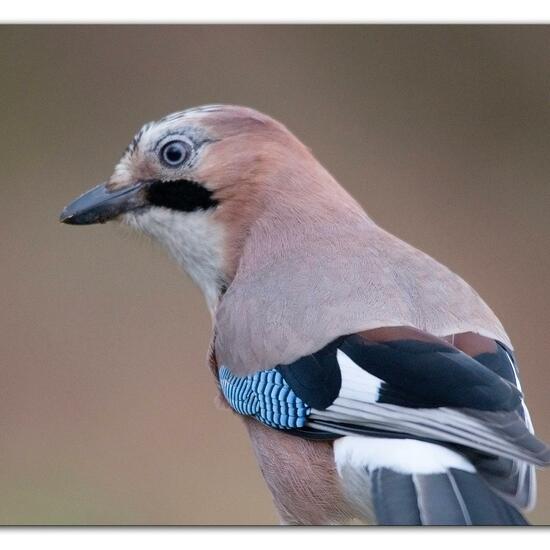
(194, 239)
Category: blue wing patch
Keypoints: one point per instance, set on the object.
(266, 396)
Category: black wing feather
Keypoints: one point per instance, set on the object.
(432, 374)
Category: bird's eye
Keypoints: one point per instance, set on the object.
(175, 153)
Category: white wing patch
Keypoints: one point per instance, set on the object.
(405, 456)
(356, 383)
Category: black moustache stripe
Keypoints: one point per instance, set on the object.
(181, 195)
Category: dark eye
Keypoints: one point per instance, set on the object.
(175, 153)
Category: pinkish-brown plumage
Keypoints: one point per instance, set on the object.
(301, 476)
(289, 220)
(288, 261)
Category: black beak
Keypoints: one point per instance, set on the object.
(99, 205)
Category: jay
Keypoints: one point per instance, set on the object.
(375, 384)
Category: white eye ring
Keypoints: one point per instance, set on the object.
(175, 153)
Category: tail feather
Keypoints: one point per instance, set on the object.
(513, 480)
(412, 482)
(455, 497)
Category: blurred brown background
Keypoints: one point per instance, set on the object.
(106, 406)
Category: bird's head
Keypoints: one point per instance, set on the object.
(197, 181)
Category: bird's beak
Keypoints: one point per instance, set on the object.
(100, 204)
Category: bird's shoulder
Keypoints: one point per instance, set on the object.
(400, 366)
(461, 391)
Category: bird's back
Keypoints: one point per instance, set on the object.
(339, 279)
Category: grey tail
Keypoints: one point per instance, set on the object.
(454, 497)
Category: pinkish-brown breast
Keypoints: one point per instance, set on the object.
(301, 476)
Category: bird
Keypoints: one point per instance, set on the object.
(375, 384)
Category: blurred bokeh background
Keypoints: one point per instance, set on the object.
(106, 406)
